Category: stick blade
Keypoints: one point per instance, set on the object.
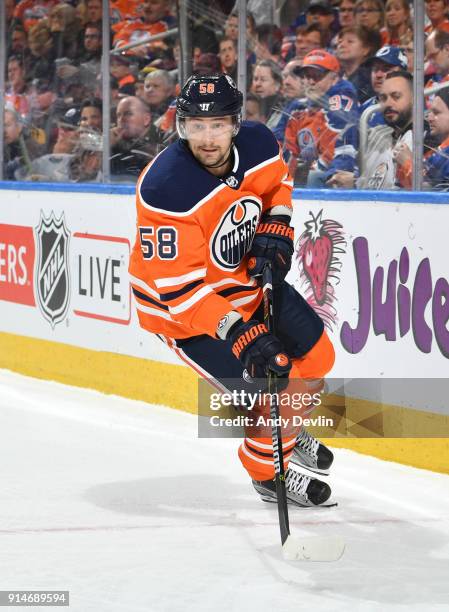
(313, 549)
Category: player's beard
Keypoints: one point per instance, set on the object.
(221, 161)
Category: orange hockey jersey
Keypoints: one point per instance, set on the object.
(188, 267)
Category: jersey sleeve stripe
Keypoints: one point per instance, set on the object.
(196, 297)
(153, 311)
(145, 298)
(232, 281)
(245, 300)
(173, 281)
(143, 285)
(173, 295)
(232, 290)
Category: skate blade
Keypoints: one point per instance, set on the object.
(273, 500)
(313, 549)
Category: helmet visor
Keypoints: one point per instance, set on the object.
(200, 128)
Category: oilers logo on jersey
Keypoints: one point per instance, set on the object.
(235, 232)
(188, 267)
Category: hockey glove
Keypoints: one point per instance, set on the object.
(258, 350)
(273, 243)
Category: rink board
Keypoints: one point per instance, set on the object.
(376, 271)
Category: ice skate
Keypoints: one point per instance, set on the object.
(301, 490)
(311, 454)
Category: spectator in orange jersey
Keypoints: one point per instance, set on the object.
(321, 139)
(436, 11)
(29, 12)
(156, 18)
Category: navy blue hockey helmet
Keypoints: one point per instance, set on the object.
(209, 96)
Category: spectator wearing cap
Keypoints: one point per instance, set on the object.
(322, 138)
(398, 22)
(355, 45)
(294, 95)
(266, 83)
(436, 11)
(159, 92)
(436, 167)
(156, 18)
(135, 141)
(387, 59)
(68, 132)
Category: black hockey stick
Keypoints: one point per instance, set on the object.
(276, 436)
(328, 548)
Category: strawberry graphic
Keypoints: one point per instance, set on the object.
(317, 256)
(318, 253)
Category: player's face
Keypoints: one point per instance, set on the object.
(439, 119)
(396, 102)
(209, 138)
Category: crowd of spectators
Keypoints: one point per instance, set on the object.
(333, 82)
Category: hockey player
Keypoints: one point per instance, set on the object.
(215, 200)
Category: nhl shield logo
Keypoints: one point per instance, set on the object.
(52, 268)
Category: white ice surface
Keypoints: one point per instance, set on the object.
(121, 503)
